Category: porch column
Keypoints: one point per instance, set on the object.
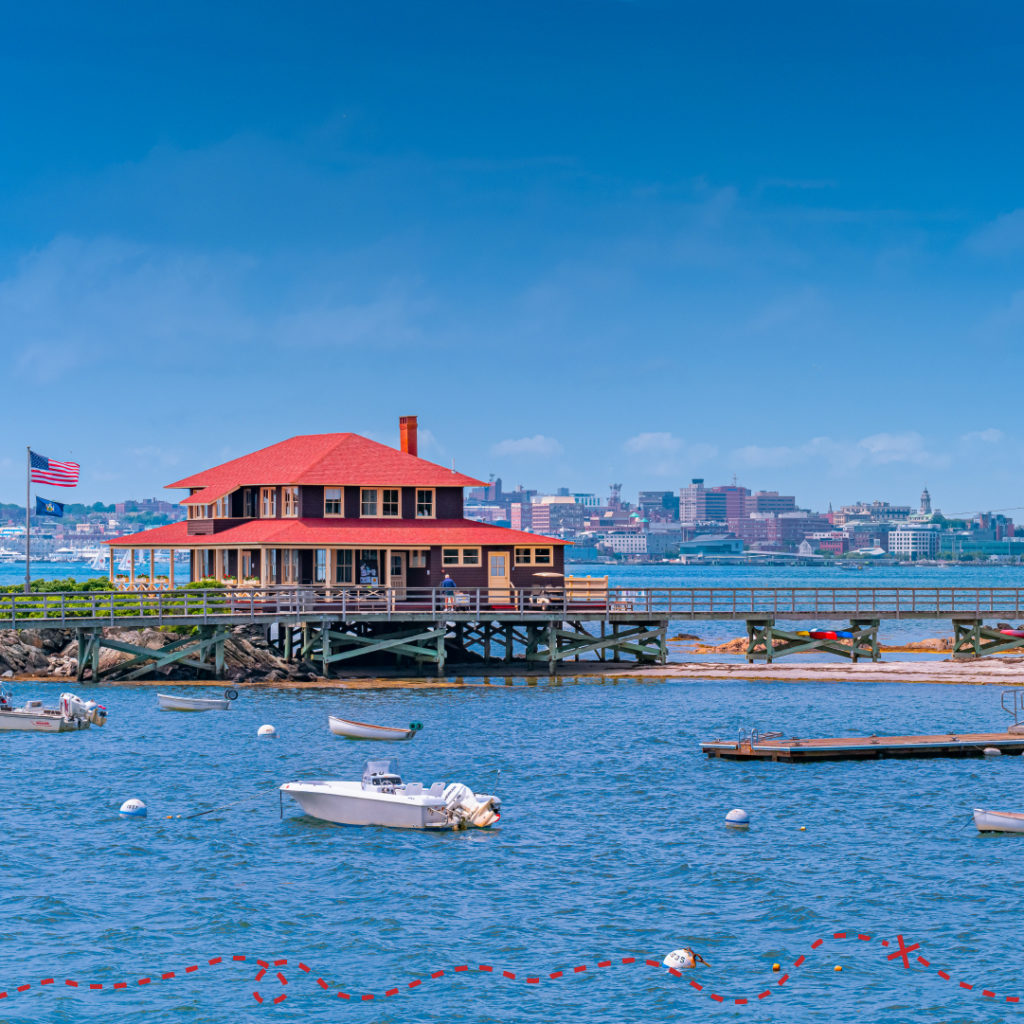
(152, 568)
(131, 571)
(111, 566)
(328, 573)
(238, 569)
(170, 581)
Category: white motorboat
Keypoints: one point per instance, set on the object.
(365, 731)
(998, 821)
(382, 798)
(173, 702)
(72, 715)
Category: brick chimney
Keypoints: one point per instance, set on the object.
(407, 428)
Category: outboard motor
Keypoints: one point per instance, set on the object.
(74, 709)
(466, 808)
(97, 712)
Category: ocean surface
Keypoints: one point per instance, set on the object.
(612, 844)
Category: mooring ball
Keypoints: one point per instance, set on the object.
(737, 818)
(266, 730)
(133, 808)
(992, 752)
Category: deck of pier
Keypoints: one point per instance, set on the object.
(864, 748)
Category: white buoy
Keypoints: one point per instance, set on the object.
(266, 730)
(737, 818)
(992, 752)
(133, 808)
(681, 959)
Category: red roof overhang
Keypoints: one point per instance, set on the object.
(336, 533)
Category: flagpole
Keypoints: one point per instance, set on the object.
(28, 520)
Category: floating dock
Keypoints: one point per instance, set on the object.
(863, 748)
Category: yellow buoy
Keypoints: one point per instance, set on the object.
(776, 967)
(803, 828)
(837, 968)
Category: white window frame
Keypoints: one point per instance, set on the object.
(268, 500)
(432, 491)
(460, 556)
(418, 558)
(341, 503)
(290, 508)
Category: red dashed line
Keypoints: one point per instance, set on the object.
(899, 958)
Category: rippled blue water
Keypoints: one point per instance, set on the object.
(611, 844)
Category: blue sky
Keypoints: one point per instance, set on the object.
(583, 241)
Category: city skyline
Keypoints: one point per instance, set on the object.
(647, 243)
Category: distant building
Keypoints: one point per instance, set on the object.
(626, 543)
(712, 544)
(914, 544)
(658, 505)
(926, 503)
(716, 504)
(771, 501)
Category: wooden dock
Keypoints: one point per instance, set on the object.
(862, 748)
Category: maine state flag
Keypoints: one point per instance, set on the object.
(47, 507)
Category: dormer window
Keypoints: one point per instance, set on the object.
(268, 502)
(368, 502)
(221, 508)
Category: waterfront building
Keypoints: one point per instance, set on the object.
(716, 504)
(912, 544)
(342, 510)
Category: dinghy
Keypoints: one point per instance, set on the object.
(998, 821)
(365, 731)
(173, 702)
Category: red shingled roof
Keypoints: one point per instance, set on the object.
(331, 459)
(336, 533)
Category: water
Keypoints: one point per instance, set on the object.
(611, 844)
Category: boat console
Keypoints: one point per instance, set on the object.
(382, 776)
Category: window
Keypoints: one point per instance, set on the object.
(460, 556)
(533, 556)
(418, 559)
(268, 502)
(333, 497)
(221, 508)
(249, 503)
(369, 568)
(290, 565)
(198, 511)
(290, 501)
(343, 563)
(380, 501)
(425, 504)
(320, 566)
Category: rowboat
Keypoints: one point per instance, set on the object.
(365, 731)
(998, 821)
(1012, 632)
(173, 702)
(826, 634)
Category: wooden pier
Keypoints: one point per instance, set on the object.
(772, 747)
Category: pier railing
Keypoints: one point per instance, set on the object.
(267, 604)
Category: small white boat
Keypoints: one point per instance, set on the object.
(173, 702)
(998, 821)
(365, 731)
(382, 798)
(72, 715)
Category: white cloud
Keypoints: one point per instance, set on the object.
(658, 442)
(875, 450)
(536, 445)
(1000, 237)
(990, 436)
(663, 454)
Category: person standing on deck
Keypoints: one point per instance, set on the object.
(448, 586)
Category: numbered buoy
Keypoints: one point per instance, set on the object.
(266, 730)
(133, 808)
(737, 818)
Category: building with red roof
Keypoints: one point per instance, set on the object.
(342, 510)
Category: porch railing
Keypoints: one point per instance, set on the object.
(268, 603)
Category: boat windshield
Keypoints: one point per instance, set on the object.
(381, 773)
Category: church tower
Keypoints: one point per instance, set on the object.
(926, 503)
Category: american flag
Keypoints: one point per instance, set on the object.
(49, 471)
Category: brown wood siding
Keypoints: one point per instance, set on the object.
(448, 503)
(199, 527)
(351, 502)
(408, 502)
(311, 502)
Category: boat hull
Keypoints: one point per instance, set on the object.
(998, 821)
(24, 721)
(365, 731)
(329, 802)
(169, 702)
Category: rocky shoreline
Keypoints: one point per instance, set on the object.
(53, 653)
